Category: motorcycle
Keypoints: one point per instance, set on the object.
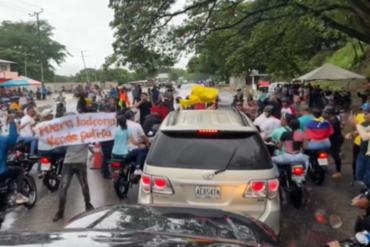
(124, 176)
(8, 189)
(153, 131)
(4, 104)
(318, 166)
(60, 109)
(291, 178)
(51, 168)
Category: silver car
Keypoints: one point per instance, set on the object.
(212, 159)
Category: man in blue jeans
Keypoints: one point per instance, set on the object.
(363, 158)
(107, 146)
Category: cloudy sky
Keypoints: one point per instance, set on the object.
(80, 25)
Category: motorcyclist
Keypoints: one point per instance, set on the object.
(26, 132)
(271, 123)
(15, 103)
(16, 172)
(318, 131)
(286, 108)
(44, 149)
(293, 142)
(238, 96)
(153, 118)
(61, 101)
(137, 133)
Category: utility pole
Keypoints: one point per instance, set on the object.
(87, 73)
(37, 14)
(95, 74)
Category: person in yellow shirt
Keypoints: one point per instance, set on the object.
(15, 104)
(357, 140)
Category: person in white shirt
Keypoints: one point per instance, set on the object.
(44, 149)
(136, 131)
(260, 119)
(26, 132)
(270, 124)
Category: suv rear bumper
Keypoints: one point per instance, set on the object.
(271, 215)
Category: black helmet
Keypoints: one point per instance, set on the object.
(129, 114)
(330, 110)
(288, 117)
(268, 109)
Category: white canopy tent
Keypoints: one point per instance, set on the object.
(329, 72)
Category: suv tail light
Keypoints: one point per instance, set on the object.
(262, 188)
(323, 155)
(44, 160)
(155, 184)
(298, 170)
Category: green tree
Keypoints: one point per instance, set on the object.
(19, 43)
(148, 26)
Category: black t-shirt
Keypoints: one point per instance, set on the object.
(337, 130)
(276, 110)
(144, 110)
(293, 140)
(149, 121)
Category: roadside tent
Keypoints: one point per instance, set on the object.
(329, 72)
(20, 81)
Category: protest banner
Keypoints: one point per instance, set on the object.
(77, 129)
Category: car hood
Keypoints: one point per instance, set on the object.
(111, 238)
(182, 221)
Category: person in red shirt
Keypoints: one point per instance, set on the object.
(165, 108)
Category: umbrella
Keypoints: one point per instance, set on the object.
(329, 72)
(20, 81)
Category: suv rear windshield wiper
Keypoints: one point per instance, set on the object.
(228, 163)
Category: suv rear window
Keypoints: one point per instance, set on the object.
(210, 151)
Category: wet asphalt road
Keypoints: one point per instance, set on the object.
(311, 225)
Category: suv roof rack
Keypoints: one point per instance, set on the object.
(245, 123)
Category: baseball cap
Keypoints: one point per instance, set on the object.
(239, 103)
(155, 109)
(46, 112)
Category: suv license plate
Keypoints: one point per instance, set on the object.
(323, 162)
(207, 192)
(45, 167)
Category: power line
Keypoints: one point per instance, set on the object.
(37, 14)
(14, 7)
(29, 4)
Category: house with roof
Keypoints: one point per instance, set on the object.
(6, 72)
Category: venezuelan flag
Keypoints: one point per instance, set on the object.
(318, 129)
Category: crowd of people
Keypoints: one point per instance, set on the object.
(293, 119)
